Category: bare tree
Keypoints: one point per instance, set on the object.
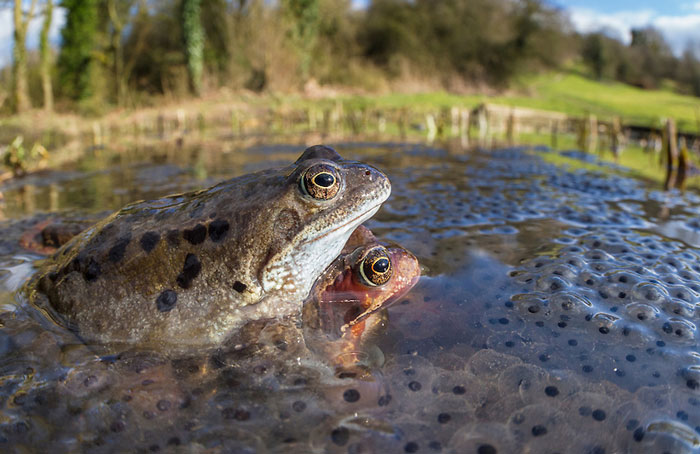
(20, 92)
(45, 57)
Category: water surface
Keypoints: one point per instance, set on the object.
(558, 312)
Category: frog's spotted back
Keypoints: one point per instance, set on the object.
(189, 269)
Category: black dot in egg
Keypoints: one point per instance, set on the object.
(638, 434)
(351, 395)
(459, 389)
(415, 386)
(573, 342)
(631, 358)
(604, 330)
(340, 436)
(486, 449)
(598, 414)
(444, 418)
(539, 430)
(299, 406)
(551, 391)
(411, 447)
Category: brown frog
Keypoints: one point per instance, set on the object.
(346, 306)
(188, 270)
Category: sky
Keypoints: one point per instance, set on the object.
(678, 20)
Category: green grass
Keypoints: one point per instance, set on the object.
(568, 92)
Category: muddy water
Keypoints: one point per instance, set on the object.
(557, 313)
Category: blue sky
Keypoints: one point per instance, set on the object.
(678, 20)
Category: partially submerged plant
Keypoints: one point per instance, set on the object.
(18, 159)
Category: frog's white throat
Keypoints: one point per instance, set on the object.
(293, 277)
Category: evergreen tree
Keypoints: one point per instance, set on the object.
(194, 42)
(304, 16)
(75, 62)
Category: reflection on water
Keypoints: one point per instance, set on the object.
(558, 313)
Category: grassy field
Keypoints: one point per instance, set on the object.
(567, 92)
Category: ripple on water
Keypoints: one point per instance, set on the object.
(556, 316)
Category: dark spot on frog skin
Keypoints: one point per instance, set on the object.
(239, 286)
(218, 230)
(87, 266)
(166, 300)
(92, 270)
(116, 253)
(195, 235)
(173, 237)
(190, 271)
(149, 240)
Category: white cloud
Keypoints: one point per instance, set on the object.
(588, 20)
(678, 30)
(7, 30)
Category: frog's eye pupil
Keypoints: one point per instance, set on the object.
(380, 266)
(324, 179)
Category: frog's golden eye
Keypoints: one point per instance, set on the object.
(321, 182)
(375, 268)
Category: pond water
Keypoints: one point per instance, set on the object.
(557, 312)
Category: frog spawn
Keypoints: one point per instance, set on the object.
(484, 358)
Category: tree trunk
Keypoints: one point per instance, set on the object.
(19, 65)
(45, 57)
(118, 63)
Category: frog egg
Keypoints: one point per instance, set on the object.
(642, 312)
(570, 303)
(465, 390)
(484, 438)
(496, 319)
(679, 307)
(411, 379)
(534, 421)
(532, 306)
(520, 378)
(568, 439)
(488, 364)
(592, 412)
(677, 330)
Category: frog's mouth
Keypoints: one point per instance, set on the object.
(354, 221)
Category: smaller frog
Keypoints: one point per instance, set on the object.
(346, 307)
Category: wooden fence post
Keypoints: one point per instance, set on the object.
(671, 147)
